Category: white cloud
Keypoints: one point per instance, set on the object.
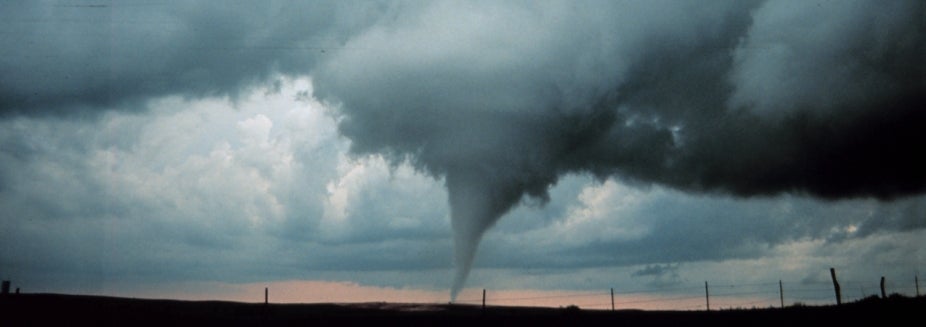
(207, 174)
(370, 201)
(607, 212)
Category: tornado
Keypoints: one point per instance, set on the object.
(476, 203)
(745, 98)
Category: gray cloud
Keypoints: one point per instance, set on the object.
(662, 275)
(624, 226)
(905, 215)
(68, 58)
(657, 270)
(135, 195)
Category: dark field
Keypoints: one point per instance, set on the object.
(72, 310)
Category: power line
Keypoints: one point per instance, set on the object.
(661, 299)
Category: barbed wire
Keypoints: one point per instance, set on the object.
(726, 295)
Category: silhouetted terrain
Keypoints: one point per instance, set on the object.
(70, 310)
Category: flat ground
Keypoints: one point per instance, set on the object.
(72, 310)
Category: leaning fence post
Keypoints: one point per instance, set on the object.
(612, 299)
(836, 286)
(916, 282)
(883, 294)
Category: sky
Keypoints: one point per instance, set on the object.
(351, 151)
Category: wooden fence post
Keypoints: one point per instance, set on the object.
(916, 282)
(707, 296)
(883, 294)
(781, 293)
(483, 299)
(836, 286)
(612, 299)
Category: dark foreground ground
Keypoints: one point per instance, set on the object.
(73, 310)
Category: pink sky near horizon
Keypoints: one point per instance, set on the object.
(316, 291)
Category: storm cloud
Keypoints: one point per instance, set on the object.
(751, 99)
(745, 98)
(76, 57)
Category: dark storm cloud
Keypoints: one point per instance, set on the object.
(73, 57)
(675, 98)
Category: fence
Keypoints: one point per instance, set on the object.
(711, 295)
